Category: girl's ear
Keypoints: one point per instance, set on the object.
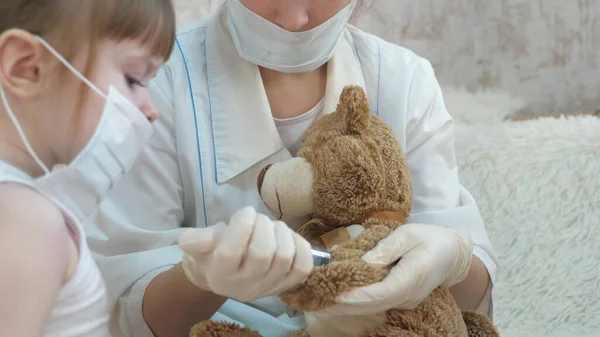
(21, 66)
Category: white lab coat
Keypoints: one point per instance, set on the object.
(216, 132)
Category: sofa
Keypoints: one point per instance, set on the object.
(537, 184)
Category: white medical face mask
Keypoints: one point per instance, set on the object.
(262, 42)
(119, 138)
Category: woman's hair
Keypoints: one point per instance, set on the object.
(69, 25)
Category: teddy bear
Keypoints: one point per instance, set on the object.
(348, 188)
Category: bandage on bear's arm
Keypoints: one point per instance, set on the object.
(35, 248)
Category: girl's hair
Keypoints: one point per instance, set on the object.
(69, 25)
(74, 25)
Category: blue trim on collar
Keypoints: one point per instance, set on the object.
(365, 75)
(210, 104)
(197, 131)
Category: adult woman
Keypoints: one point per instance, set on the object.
(240, 89)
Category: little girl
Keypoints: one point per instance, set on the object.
(73, 76)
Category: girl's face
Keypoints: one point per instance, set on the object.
(128, 67)
(296, 15)
(58, 111)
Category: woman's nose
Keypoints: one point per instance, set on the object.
(293, 18)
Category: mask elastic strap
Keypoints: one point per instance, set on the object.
(70, 67)
(13, 118)
(15, 122)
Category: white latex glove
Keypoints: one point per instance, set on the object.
(250, 258)
(430, 256)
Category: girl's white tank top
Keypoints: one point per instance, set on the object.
(81, 308)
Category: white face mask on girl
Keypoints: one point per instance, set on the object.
(119, 138)
(264, 43)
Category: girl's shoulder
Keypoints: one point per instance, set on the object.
(33, 225)
(36, 255)
(21, 201)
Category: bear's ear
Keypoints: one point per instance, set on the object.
(354, 108)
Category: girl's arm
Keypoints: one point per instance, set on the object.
(35, 247)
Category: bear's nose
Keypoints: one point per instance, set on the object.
(261, 178)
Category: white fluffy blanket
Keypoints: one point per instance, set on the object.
(538, 186)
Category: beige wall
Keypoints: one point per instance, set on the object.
(546, 51)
